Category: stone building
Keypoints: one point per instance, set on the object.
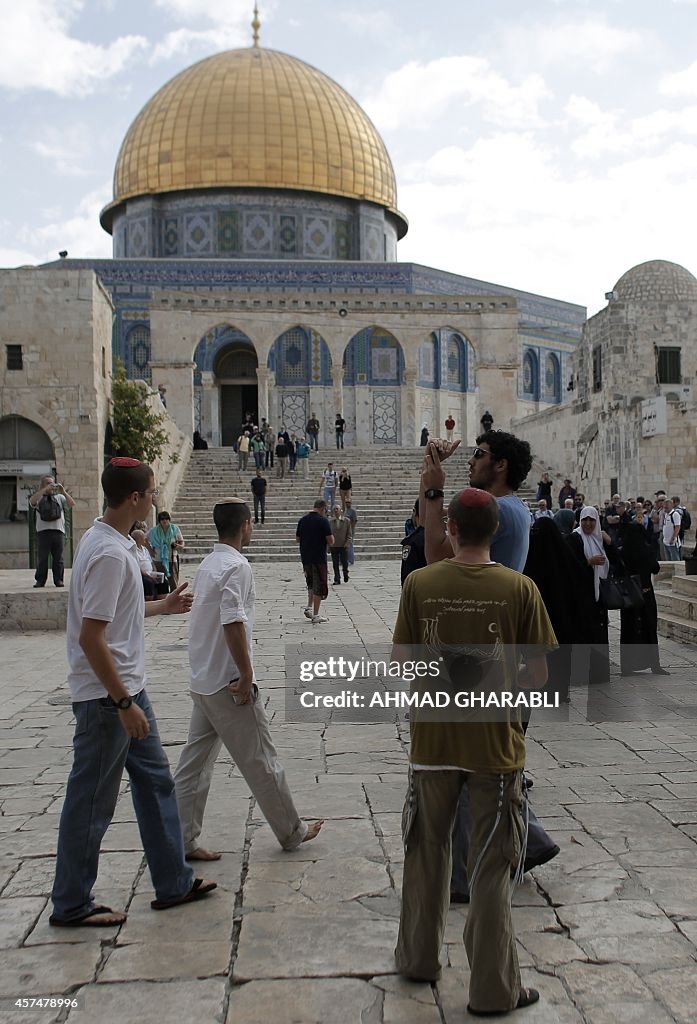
(629, 425)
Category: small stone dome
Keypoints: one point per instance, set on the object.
(656, 281)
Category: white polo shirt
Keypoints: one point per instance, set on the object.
(105, 584)
(223, 593)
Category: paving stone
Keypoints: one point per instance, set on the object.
(294, 944)
(17, 915)
(136, 1002)
(162, 960)
(319, 1001)
(54, 969)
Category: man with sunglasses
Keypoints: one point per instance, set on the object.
(498, 464)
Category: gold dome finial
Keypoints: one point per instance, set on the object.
(256, 25)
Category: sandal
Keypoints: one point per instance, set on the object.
(527, 997)
(198, 891)
(87, 920)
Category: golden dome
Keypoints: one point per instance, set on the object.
(254, 118)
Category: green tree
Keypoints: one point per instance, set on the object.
(138, 431)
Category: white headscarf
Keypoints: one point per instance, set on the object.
(593, 545)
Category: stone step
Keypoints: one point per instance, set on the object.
(670, 604)
(673, 627)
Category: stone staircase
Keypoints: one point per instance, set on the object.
(676, 599)
(385, 483)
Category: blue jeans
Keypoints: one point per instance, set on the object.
(329, 495)
(672, 552)
(101, 752)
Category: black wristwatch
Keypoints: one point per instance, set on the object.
(124, 704)
(433, 492)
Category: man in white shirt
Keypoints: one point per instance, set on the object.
(672, 521)
(227, 709)
(50, 502)
(115, 727)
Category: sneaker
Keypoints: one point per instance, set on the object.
(308, 613)
(319, 618)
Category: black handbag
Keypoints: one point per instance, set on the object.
(621, 593)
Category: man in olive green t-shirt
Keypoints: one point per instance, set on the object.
(463, 602)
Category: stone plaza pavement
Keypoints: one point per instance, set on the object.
(607, 931)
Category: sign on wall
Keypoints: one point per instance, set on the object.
(653, 417)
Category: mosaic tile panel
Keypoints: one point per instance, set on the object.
(384, 363)
(137, 238)
(287, 236)
(342, 239)
(228, 231)
(258, 233)
(198, 234)
(372, 242)
(317, 237)
(170, 236)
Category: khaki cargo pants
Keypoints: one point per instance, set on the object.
(496, 843)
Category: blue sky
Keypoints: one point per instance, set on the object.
(549, 145)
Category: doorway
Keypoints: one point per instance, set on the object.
(235, 401)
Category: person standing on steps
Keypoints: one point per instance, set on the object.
(449, 427)
(345, 486)
(302, 452)
(352, 517)
(281, 457)
(339, 427)
(312, 431)
(259, 494)
(328, 485)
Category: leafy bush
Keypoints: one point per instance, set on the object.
(138, 431)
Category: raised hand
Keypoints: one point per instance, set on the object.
(178, 603)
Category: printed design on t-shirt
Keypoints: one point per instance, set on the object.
(465, 666)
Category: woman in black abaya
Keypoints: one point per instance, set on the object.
(639, 626)
(559, 578)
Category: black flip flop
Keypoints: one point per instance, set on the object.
(527, 997)
(198, 891)
(86, 920)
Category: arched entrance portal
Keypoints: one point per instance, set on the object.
(26, 454)
(235, 373)
(225, 383)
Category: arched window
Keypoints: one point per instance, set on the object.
(530, 375)
(138, 353)
(553, 377)
(23, 440)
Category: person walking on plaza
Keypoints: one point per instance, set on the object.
(312, 431)
(542, 511)
(341, 532)
(227, 709)
(313, 534)
(259, 495)
(468, 599)
(639, 626)
(302, 453)
(449, 427)
(328, 485)
(350, 513)
(413, 546)
(594, 552)
(50, 502)
(345, 486)
(339, 428)
(115, 726)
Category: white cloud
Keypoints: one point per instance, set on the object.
(680, 83)
(590, 43)
(614, 132)
(16, 258)
(37, 51)
(373, 23)
(508, 209)
(183, 41)
(80, 232)
(417, 93)
(70, 150)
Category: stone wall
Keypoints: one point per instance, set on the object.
(63, 323)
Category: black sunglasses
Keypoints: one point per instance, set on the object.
(479, 453)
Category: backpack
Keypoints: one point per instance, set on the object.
(49, 508)
(685, 521)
